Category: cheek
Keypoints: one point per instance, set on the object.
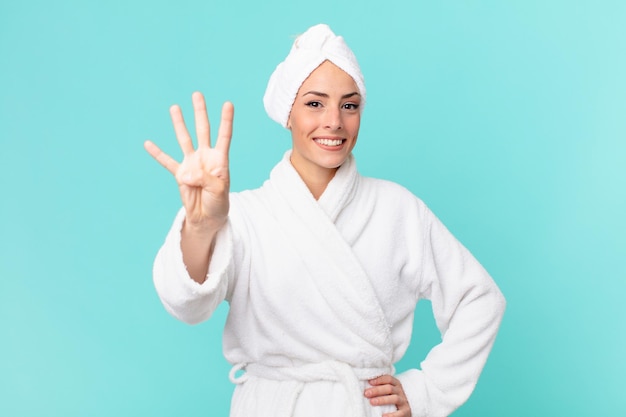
(299, 133)
(353, 127)
(306, 127)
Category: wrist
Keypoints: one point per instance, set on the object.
(204, 229)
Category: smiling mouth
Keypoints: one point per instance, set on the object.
(329, 142)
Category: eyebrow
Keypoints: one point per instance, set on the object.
(317, 93)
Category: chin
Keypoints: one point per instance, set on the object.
(334, 162)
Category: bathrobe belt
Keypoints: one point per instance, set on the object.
(341, 372)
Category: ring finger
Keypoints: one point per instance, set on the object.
(182, 134)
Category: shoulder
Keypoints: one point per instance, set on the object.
(398, 203)
(391, 193)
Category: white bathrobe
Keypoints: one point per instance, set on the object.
(322, 296)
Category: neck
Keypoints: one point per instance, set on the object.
(316, 179)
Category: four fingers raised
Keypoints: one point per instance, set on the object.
(203, 132)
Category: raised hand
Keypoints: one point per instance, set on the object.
(203, 176)
(203, 180)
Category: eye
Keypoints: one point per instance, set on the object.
(351, 106)
(314, 104)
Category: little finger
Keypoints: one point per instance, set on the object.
(161, 157)
(399, 413)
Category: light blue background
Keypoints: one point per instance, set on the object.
(506, 118)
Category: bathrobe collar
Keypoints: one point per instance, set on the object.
(338, 271)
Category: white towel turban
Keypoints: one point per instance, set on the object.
(308, 52)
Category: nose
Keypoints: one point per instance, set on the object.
(332, 119)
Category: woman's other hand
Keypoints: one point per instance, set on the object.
(387, 390)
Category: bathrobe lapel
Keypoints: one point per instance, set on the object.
(338, 274)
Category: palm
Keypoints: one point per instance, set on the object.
(202, 176)
(202, 179)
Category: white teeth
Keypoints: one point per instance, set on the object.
(329, 142)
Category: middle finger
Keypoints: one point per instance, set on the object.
(203, 129)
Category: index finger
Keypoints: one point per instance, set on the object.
(225, 131)
(384, 380)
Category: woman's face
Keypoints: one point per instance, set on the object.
(324, 121)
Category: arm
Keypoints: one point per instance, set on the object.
(189, 279)
(468, 309)
(183, 297)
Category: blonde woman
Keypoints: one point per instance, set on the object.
(322, 268)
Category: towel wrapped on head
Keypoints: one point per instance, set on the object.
(309, 51)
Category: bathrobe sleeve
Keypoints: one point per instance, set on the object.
(183, 297)
(468, 309)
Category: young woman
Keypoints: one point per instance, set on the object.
(322, 267)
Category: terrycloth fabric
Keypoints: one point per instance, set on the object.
(309, 51)
(350, 379)
(322, 296)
